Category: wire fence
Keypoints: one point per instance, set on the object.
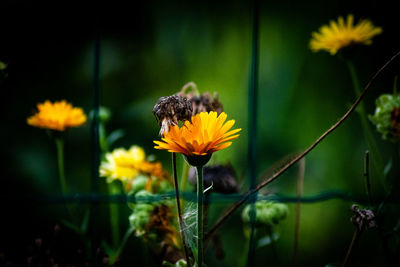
(188, 196)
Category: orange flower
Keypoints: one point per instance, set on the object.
(204, 135)
(57, 116)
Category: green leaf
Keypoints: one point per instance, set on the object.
(387, 168)
(72, 226)
(115, 136)
(85, 221)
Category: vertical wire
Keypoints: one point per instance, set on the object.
(95, 142)
(252, 142)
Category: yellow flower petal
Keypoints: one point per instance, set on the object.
(205, 134)
(343, 33)
(57, 116)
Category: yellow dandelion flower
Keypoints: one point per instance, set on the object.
(57, 116)
(122, 164)
(204, 135)
(340, 34)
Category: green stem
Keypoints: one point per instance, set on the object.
(200, 202)
(376, 156)
(61, 171)
(113, 188)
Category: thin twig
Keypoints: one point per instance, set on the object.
(304, 153)
(356, 235)
(300, 183)
(178, 204)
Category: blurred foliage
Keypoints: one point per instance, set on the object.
(152, 50)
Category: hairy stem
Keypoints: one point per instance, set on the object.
(200, 202)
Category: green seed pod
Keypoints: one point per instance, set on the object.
(267, 213)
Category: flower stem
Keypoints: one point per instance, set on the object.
(178, 205)
(61, 171)
(377, 158)
(200, 200)
(113, 188)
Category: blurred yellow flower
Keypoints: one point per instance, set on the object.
(340, 34)
(124, 165)
(57, 116)
(205, 134)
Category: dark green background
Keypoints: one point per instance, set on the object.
(152, 49)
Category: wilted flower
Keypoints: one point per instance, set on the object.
(57, 116)
(171, 109)
(201, 102)
(343, 34)
(198, 139)
(387, 116)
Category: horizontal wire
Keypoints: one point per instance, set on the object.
(213, 198)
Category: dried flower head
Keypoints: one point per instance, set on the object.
(221, 177)
(343, 34)
(57, 116)
(387, 116)
(364, 219)
(170, 109)
(201, 102)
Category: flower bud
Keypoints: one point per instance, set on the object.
(387, 116)
(267, 212)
